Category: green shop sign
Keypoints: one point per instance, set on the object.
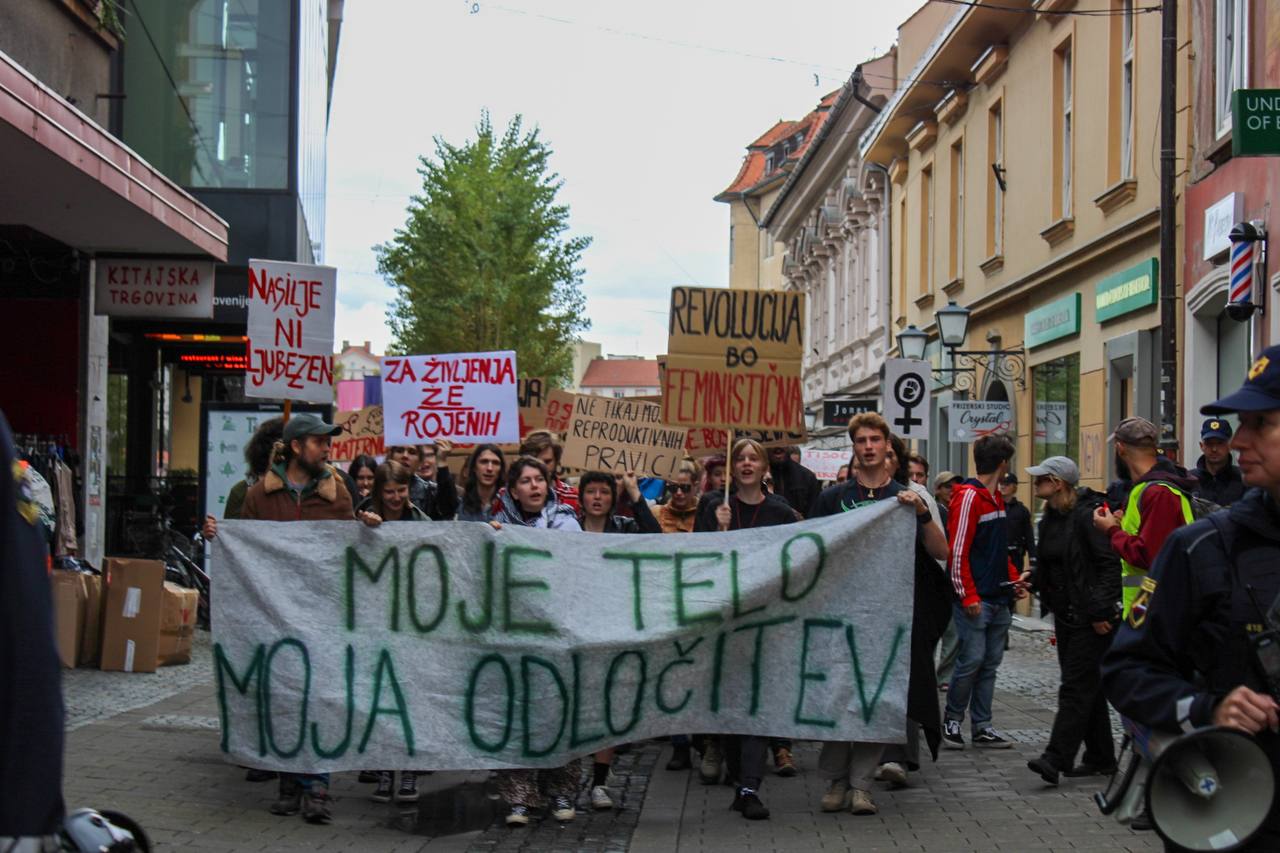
(1255, 122)
(1126, 291)
(1058, 319)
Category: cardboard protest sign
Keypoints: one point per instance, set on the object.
(150, 287)
(620, 435)
(705, 441)
(455, 646)
(734, 359)
(825, 464)
(559, 410)
(361, 435)
(290, 349)
(531, 393)
(464, 397)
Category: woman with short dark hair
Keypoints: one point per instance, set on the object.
(362, 471)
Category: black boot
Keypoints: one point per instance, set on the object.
(680, 758)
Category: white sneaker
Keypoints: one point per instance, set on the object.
(600, 799)
(836, 797)
(893, 773)
(562, 809)
(518, 816)
(860, 802)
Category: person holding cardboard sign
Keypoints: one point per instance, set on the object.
(749, 506)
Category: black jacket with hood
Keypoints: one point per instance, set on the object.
(1091, 569)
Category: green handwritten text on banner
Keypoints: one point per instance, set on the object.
(451, 645)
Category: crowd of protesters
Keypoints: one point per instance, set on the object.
(978, 551)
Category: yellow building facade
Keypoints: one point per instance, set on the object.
(1022, 150)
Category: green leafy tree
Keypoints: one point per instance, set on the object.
(483, 261)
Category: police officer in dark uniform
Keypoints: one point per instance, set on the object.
(1219, 480)
(1183, 659)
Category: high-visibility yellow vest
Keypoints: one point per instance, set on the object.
(1131, 575)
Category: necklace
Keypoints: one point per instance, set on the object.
(737, 511)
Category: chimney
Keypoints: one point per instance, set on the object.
(345, 344)
(366, 347)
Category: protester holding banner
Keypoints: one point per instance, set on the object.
(543, 446)
(678, 514)
(531, 501)
(749, 506)
(432, 470)
(257, 454)
(299, 486)
(485, 470)
(849, 766)
(389, 498)
(598, 494)
(362, 471)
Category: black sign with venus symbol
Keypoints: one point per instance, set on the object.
(908, 392)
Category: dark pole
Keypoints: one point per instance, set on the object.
(1168, 234)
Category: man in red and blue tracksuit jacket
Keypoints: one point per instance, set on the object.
(985, 582)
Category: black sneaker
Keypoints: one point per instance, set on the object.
(988, 739)
(289, 799)
(1081, 770)
(951, 737)
(1045, 768)
(315, 804)
(748, 802)
(408, 790)
(382, 794)
(1141, 822)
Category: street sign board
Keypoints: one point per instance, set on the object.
(1057, 319)
(836, 413)
(1127, 291)
(906, 397)
(1255, 122)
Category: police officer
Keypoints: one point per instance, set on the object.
(1219, 480)
(1183, 658)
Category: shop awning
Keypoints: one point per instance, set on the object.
(66, 177)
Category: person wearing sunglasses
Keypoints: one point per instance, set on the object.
(680, 511)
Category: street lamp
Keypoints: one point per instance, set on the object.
(953, 324)
(911, 343)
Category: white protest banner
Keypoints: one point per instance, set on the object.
(733, 359)
(905, 396)
(291, 311)
(452, 645)
(468, 398)
(1051, 422)
(974, 419)
(362, 435)
(153, 287)
(825, 464)
(607, 434)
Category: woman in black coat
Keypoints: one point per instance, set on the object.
(1078, 579)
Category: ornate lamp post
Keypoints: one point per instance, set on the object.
(953, 327)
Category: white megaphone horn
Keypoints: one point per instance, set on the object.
(1211, 789)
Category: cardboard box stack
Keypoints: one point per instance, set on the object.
(131, 622)
(177, 624)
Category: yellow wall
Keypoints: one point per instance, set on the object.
(185, 431)
(749, 269)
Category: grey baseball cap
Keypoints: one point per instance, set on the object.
(305, 423)
(1056, 466)
(1139, 432)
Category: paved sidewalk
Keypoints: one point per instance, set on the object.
(158, 760)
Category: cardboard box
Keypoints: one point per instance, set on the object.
(91, 643)
(68, 614)
(178, 607)
(131, 622)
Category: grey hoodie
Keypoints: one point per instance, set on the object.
(554, 515)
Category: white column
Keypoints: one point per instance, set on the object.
(93, 427)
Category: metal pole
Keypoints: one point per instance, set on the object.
(1168, 236)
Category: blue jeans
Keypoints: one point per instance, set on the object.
(973, 685)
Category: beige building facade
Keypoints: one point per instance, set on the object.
(1024, 179)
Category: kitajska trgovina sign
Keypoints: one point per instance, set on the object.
(153, 287)
(291, 313)
(733, 359)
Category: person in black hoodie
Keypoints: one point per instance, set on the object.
(597, 498)
(793, 481)
(1078, 579)
(1022, 538)
(1218, 478)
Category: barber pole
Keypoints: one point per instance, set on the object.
(1241, 283)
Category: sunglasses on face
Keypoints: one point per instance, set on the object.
(681, 487)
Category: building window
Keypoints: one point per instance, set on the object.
(902, 256)
(995, 194)
(1230, 57)
(1126, 90)
(1233, 353)
(732, 228)
(1056, 385)
(955, 260)
(209, 90)
(926, 229)
(1063, 127)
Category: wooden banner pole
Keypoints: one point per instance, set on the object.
(288, 410)
(728, 466)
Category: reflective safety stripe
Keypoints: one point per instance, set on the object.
(1133, 580)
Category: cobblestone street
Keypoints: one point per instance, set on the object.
(147, 745)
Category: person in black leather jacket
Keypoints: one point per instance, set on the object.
(598, 495)
(1078, 578)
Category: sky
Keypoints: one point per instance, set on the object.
(648, 108)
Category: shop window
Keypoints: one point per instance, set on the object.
(1233, 354)
(1056, 386)
(208, 86)
(117, 424)
(1230, 57)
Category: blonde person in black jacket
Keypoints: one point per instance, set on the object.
(1078, 579)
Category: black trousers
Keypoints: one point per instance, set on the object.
(1082, 708)
(744, 756)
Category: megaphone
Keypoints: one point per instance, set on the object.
(1211, 789)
